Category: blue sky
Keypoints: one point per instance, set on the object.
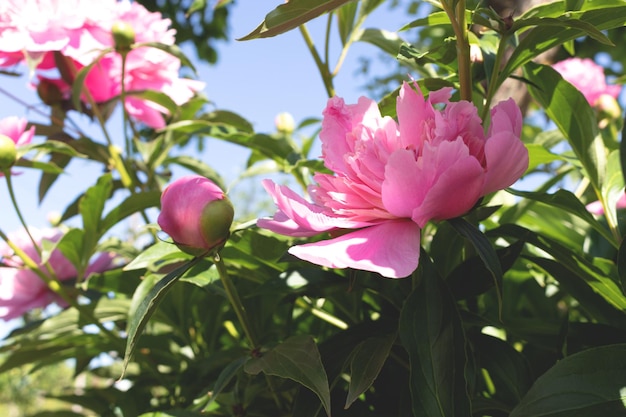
(256, 79)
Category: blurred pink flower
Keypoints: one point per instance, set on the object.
(196, 214)
(588, 77)
(21, 290)
(392, 178)
(15, 128)
(597, 209)
(34, 30)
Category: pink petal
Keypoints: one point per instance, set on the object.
(337, 134)
(507, 160)
(454, 182)
(404, 185)
(506, 116)
(390, 249)
(298, 217)
(413, 115)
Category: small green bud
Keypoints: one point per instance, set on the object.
(8, 152)
(123, 36)
(216, 220)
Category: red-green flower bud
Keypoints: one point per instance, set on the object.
(196, 214)
(8, 152)
(123, 36)
(49, 92)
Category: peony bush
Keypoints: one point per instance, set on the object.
(434, 249)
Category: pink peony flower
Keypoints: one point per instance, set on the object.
(15, 128)
(392, 178)
(588, 77)
(34, 30)
(597, 209)
(196, 214)
(22, 290)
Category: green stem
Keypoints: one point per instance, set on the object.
(7, 175)
(321, 66)
(459, 26)
(495, 75)
(235, 302)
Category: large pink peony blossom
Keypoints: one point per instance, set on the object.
(22, 290)
(588, 77)
(392, 178)
(78, 30)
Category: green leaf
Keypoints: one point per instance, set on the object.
(483, 247)
(157, 97)
(595, 291)
(508, 369)
(367, 360)
(291, 15)
(565, 200)
(542, 38)
(298, 359)
(621, 265)
(224, 379)
(585, 27)
(389, 42)
(156, 256)
(78, 84)
(145, 301)
(571, 112)
(612, 188)
(345, 20)
(432, 334)
(588, 383)
(173, 50)
(132, 204)
(91, 206)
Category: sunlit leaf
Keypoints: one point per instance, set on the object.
(561, 102)
(298, 359)
(291, 15)
(145, 301)
(588, 383)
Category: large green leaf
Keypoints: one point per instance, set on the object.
(132, 204)
(588, 383)
(145, 301)
(91, 206)
(432, 334)
(597, 293)
(571, 112)
(542, 38)
(567, 201)
(367, 360)
(291, 15)
(298, 359)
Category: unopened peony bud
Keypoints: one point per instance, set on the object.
(608, 106)
(49, 92)
(284, 122)
(123, 36)
(8, 152)
(196, 214)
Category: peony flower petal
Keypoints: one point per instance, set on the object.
(404, 185)
(297, 217)
(507, 160)
(390, 249)
(337, 134)
(455, 182)
(414, 114)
